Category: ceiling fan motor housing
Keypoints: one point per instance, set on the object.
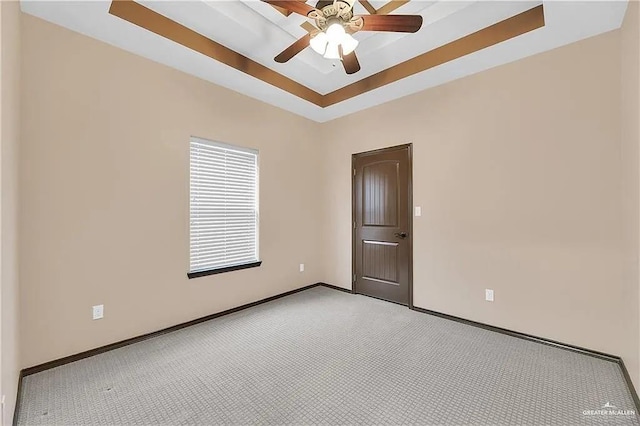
(340, 11)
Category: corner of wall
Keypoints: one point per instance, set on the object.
(630, 152)
(10, 18)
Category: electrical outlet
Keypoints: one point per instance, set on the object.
(488, 295)
(98, 312)
(418, 211)
(302, 267)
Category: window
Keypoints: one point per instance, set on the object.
(223, 208)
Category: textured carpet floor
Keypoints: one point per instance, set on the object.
(326, 357)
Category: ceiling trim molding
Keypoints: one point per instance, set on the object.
(502, 31)
(139, 15)
(150, 20)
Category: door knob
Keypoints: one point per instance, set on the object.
(401, 234)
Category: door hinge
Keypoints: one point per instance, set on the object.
(354, 278)
(354, 224)
(354, 172)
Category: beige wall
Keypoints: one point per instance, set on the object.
(630, 92)
(518, 171)
(10, 128)
(104, 194)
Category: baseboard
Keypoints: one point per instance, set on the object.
(334, 287)
(549, 342)
(92, 352)
(589, 352)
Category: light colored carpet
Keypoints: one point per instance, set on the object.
(326, 357)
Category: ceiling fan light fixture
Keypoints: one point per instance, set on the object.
(332, 51)
(335, 23)
(349, 44)
(319, 43)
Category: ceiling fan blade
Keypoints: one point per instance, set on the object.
(350, 62)
(294, 49)
(297, 6)
(394, 23)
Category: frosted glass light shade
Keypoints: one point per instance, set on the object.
(335, 33)
(319, 43)
(332, 51)
(349, 44)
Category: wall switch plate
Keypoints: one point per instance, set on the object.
(488, 295)
(302, 267)
(418, 211)
(98, 312)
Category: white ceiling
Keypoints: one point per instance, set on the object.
(257, 30)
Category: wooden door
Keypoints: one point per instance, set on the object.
(382, 208)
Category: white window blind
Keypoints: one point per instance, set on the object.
(223, 206)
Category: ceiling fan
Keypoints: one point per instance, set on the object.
(335, 24)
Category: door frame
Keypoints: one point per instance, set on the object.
(409, 147)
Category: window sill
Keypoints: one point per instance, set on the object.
(198, 274)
